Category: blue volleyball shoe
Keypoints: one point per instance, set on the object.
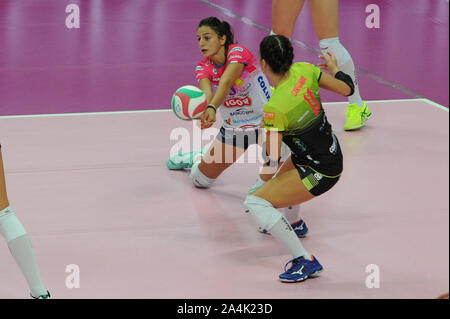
(183, 160)
(301, 269)
(299, 227)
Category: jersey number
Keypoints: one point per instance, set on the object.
(315, 106)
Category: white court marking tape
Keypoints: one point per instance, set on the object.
(170, 110)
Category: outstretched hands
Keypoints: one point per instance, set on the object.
(207, 118)
(330, 65)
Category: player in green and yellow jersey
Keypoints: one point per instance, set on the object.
(294, 115)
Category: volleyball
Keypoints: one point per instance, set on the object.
(188, 102)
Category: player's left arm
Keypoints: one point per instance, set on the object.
(343, 86)
(338, 81)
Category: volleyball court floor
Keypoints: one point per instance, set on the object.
(93, 191)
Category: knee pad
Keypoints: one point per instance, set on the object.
(10, 225)
(262, 212)
(199, 179)
(334, 46)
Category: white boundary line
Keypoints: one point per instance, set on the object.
(170, 110)
(83, 114)
(379, 101)
(435, 104)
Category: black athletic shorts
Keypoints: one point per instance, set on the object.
(315, 182)
(241, 138)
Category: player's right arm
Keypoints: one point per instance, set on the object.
(203, 75)
(206, 87)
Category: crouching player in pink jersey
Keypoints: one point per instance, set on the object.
(234, 85)
(294, 115)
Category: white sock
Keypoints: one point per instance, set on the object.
(20, 247)
(292, 213)
(355, 98)
(283, 231)
(269, 218)
(345, 63)
(23, 254)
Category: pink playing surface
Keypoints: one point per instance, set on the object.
(94, 190)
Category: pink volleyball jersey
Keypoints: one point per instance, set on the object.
(243, 107)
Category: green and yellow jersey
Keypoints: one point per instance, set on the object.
(295, 104)
(295, 110)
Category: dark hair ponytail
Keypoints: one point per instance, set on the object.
(277, 51)
(221, 28)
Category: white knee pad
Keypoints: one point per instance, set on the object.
(10, 225)
(262, 212)
(334, 46)
(199, 179)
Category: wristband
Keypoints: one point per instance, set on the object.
(213, 107)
